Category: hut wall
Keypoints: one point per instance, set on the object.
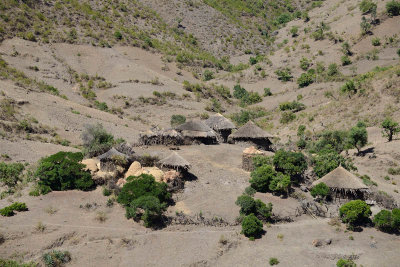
(247, 162)
(264, 144)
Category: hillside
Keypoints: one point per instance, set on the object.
(305, 72)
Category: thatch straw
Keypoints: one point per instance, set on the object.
(250, 131)
(341, 179)
(218, 122)
(175, 161)
(110, 154)
(196, 129)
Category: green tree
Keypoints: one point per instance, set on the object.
(358, 136)
(355, 212)
(280, 184)
(247, 204)
(147, 208)
(252, 227)
(383, 220)
(10, 174)
(239, 92)
(290, 163)
(327, 160)
(321, 190)
(261, 178)
(63, 171)
(390, 128)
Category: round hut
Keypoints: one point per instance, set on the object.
(155, 136)
(197, 132)
(251, 133)
(344, 184)
(175, 168)
(221, 125)
(247, 158)
(111, 159)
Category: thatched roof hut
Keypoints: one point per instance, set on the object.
(197, 131)
(343, 183)
(112, 158)
(155, 136)
(111, 153)
(175, 161)
(250, 132)
(221, 125)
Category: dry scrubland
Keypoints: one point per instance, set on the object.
(69, 67)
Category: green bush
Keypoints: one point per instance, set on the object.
(293, 106)
(284, 74)
(367, 6)
(267, 92)
(251, 226)
(280, 184)
(177, 120)
(290, 163)
(208, 75)
(304, 63)
(147, 208)
(306, 79)
(345, 263)
(239, 92)
(12, 263)
(345, 60)
(327, 160)
(294, 31)
(9, 210)
(247, 204)
(63, 171)
(383, 220)
(390, 128)
(10, 174)
(118, 35)
(393, 8)
(376, 41)
(261, 178)
(355, 212)
(273, 261)
(56, 258)
(263, 211)
(321, 190)
(287, 117)
(96, 140)
(332, 69)
(259, 161)
(396, 219)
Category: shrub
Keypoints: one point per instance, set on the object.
(63, 171)
(239, 92)
(345, 60)
(118, 35)
(389, 126)
(321, 190)
(280, 183)
(7, 211)
(396, 219)
(261, 178)
(304, 63)
(355, 212)
(247, 204)
(284, 74)
(18, 206)
(143, 185)
(250, 191)
(267, 92)
(96, 140)
(56, 258)
(376, 41)
(327, 160)
(345, 263)
(287, 117)
(251, 226)
(148, 208)
(208, 75)
(349, 87)
(263, 211)
(383, 220)
(11, 173)
(290, 163)
(177, 120)
(293, 106)
(273, 261)
(294, 31)
(332, 69)
(358, 136)
(259, 161)
(365, 26)
(393, 8)
(367, 6)
(305, 79)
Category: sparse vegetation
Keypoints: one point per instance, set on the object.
(96, 140)
(177, 120)
(56, 258)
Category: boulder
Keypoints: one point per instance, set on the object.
(170, 176)
(91, 165)
(156, 172)
(133, 169)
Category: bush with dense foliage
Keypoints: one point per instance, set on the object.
(327, 160)
(358, 136)
(293, 106)
(393, 8)
(63, 171)
(345, 263)
(208, 75)
(367, 6)
(355, 213)
(96, 140)
(388, 221)
(390, 128)
(144, 198)
(284, 75)
(261, 178)
(11, 173)
(56, 258)
(287, 117)
(293, 164)
(280, 184)
(273, 261)
(252, 227)
(306, 79)
(249, 205)
(320, 190)
(327, 140)
(177, 120)
(304, 63)
(16, 206)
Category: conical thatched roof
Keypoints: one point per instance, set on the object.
(219, 122)
(196, 129)
(340, 178)
(110, 153)
(250, 131)
(175, 161)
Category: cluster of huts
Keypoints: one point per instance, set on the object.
(216, 129)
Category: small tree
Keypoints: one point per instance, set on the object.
(327, 160)
(321, 190)
(365, 26)
(63, 171)
(148, 208)
(290, 163)
(393, 8)
(251, 226)
(390, 128)
(261, 178)
(96, 140)
(280, 184)
(358, 136)
(383, 220)
(10, 174)
(355, 213)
